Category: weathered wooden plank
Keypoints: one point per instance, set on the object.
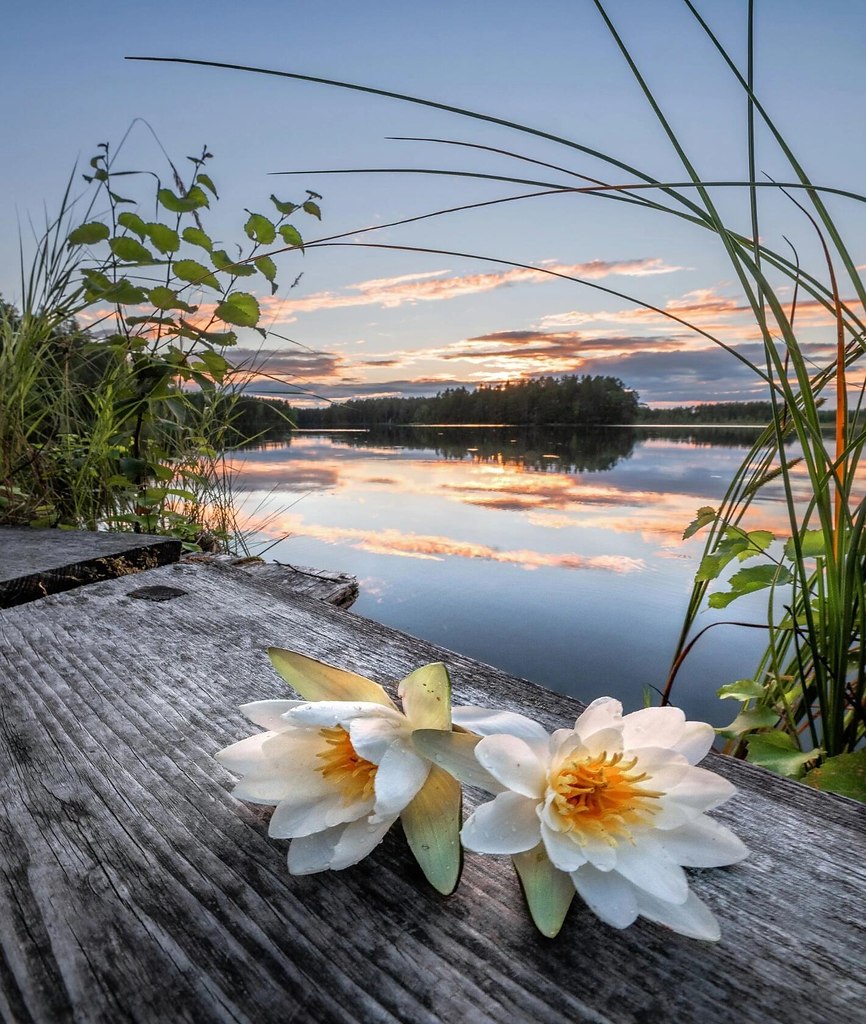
(336, 588)
(34, 563)
(133, 886)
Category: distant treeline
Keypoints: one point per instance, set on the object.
(591, 401)
(713, 412)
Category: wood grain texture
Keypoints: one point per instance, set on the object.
(134, 887)
(34, 563)
(336, 588)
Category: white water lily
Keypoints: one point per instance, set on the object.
(613, 808)
(341, 767)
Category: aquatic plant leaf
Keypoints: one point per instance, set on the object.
(844, 774)
(779, 752)
(811, 545)
(705, 516)
(742, 689)
(747, 721)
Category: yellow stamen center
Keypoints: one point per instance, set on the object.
(344, 767)
(599, 797)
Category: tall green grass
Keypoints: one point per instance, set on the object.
(804, 705)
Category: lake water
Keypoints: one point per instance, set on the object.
(554, 554)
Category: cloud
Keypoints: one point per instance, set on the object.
(433, 287)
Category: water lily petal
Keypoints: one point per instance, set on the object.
(431, 822)
(564, 852)
(302, 813)
(609, 740)
(695, 742)
(653, 727)
(358, 839)
(548, 892)
(455, 752)
(245, 755)
(268, 713)
(426, 697)
(314, 680)
(692, 918)
(309, 854)
(507, 824)
(608, 895)
(513, 762)
(371, 737)
(328, 713)
(400, 775)
(600, 854)
(602, 713)
(487, 722)
(649, 867)
(698, 790)
(703, 843)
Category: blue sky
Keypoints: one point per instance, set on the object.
(378, 322)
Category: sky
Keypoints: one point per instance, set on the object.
(372, 321)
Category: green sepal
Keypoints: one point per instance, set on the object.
(426, 697)
(314, 680)
(431, 823)
(547, 890)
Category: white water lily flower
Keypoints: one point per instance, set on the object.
(613, 808)
(341, 767)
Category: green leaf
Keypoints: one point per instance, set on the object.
(240, 309)
(746, 721)
(214, 363)
(165, 298)
(705, 515)
(284, 208)
(194, 198)
(742, 689)
(130, 251)
(426, 697)
(314, 680)
(747, 581)
(165, 321)
(778, 752)
(291, 236)
(204, 179)
(197, 273)
(124, 293)
(195, 236)
(163, 237)
(222, 261)
(313, 209)
(260, 229)
(89, 234)
(811, 545)
(133, 223)
(844, 774)
(95, 281)
(431, 823)
(758, 541)
(265, 265)
(547, 890)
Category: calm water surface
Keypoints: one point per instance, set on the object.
(555, 555)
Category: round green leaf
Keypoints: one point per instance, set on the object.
(195, 236)
(133, 223)
(197, 273)
(130, 251)
(844, 774)
(163, 237)
(222, 261)
(291, 236)
(260, 229)
(240, 309)
(194, 198)
(166, 298)
(89, 234)
(265, 265)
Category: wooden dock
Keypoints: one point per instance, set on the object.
(134, 887)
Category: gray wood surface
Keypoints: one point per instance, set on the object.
(34, 563)
(337, 588)
(134, 887)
